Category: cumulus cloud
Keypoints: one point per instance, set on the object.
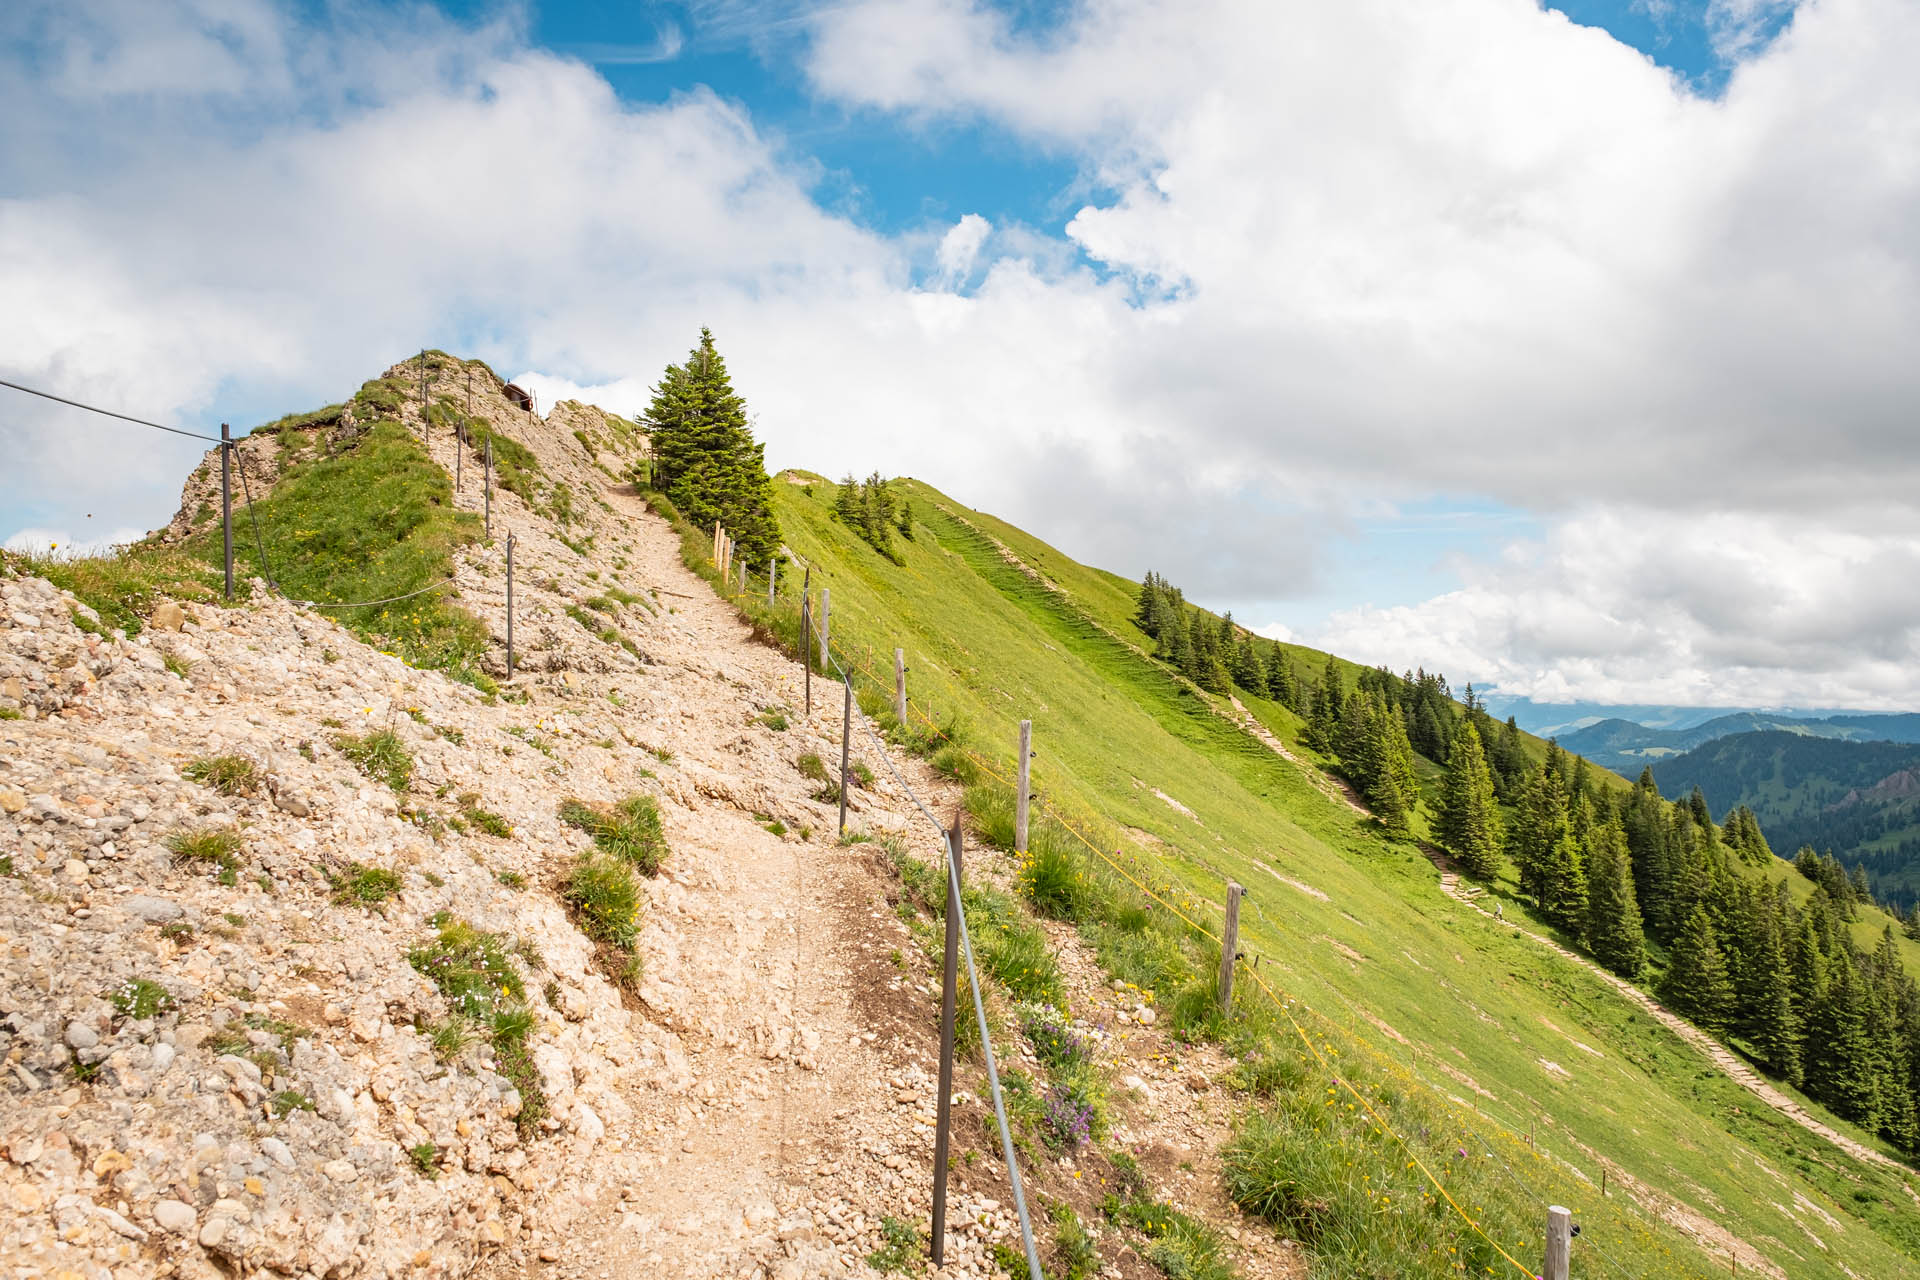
(1650, 606)
(1355, 253)
(60, 541)
(960, 246)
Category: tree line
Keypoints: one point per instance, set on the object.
(1652, 888)
(876, 511)
(1622, 873)
(1369, 733)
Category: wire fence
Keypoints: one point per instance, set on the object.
(1162, 897)
(1186, 911)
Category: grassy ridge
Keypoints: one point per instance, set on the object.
(373, 521)
(1112, 729)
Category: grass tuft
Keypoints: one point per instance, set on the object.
(217, 845)
(363, 885)
(381, 755)
(629, 830)
(139, 999)
(229, 775)
(606, 900)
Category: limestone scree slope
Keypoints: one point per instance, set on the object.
(233, 1064)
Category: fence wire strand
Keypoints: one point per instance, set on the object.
(1283, 1005)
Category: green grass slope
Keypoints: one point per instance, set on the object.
(1343, 920)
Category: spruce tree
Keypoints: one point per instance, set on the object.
(1766, 1013)
(705, 457)
(1323, 724)
(1563, 885)
(1143, 615)
(1613, 916)
(1842, 1067)
(1249, 672)
(1696, 983)
(1392, 789)
(1280, 684)
(1468, 825)
(1540, 819)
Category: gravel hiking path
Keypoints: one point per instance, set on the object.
(760, 965)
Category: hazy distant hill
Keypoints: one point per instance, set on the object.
(1627, 747)
(1858, 800)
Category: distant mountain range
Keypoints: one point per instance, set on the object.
(1627, 747)
(1859, 800)
(1548, 719)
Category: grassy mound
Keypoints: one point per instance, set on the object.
(372, 522)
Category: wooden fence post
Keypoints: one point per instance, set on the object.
(1026, 787)
(900, 687)
(826, 620)
(949, 995)
(1559, 1243)
(509, 604)
(1230, 945)
(846, 734)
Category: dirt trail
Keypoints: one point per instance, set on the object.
(751, 965)
(802, 1114)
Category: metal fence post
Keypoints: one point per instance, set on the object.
(846, 734)
(426, 428)
(1026, 787)
(509, 604)
(773, 573)
(226, 501)
(806, 645)
(949, 993)
(489, 484)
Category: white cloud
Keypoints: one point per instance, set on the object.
(1738, 27)
(1650, 606)
(960, 246)
(61, 542)
(1348, 254)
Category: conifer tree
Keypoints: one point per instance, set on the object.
(1766, 1014)
(1563, 885)
(1808, 988)
(1540, 819)
(1280, 683)
(1199, 649)
(846, 502)
(1177, 639)
(705, 457)
(1143, 615)
(1510, 757)
(1613, 916)
(1323, 724)
(1696, 983)
(1249, 672)
(1468, 824)
(1841, 1063)
(1392, 789)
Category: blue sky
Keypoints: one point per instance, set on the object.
(1570, 351)
(895, 174)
